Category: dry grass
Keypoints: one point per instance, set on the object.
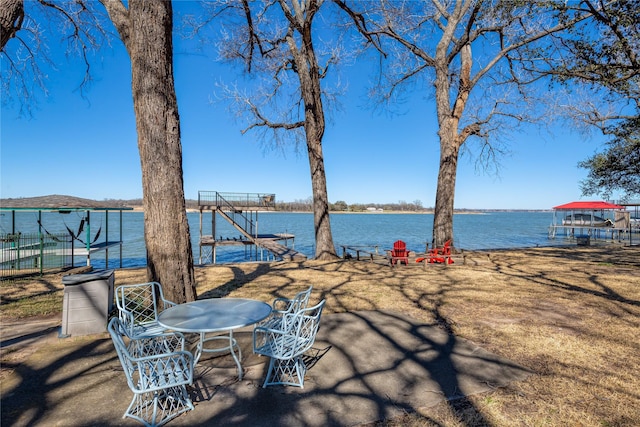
(572, 315)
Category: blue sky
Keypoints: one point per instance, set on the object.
(86, 146)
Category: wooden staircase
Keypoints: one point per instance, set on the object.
(268, 242)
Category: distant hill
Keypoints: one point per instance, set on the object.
(62, 201)
(55, 201)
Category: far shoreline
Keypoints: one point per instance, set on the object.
(393, 212)
(56, 201)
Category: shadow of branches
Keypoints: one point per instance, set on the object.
(399, 336)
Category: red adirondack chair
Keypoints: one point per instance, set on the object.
(399, 253)
(441, 255)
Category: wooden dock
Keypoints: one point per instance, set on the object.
(82, 250)
(269, 242)
(283, 252)
(24, 252)
(241, 211)
(593, 233)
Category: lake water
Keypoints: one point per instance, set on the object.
(491, 230)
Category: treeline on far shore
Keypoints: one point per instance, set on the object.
(339, 206)
(54, 201)
(304, 206)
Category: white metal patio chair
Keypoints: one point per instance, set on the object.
(138, 308)
(286, 344)
(158, 369)
(282, 306)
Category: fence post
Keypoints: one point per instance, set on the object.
(41, 253)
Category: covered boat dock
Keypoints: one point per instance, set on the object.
(585, 221)
(24, 251)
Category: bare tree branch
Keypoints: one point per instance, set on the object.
(263, 121)
(25, 52)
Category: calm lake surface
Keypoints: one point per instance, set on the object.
(491, 230)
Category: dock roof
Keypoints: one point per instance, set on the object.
(593, 205)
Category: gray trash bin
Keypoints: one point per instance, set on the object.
(583, 240)
(87, 302)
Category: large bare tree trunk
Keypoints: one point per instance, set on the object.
(11, 17)
(450, 138)
(146, 29)
(445, 193)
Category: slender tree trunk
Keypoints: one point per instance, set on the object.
(309, 75)
(325, 248)
(146, 29)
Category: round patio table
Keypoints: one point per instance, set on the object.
(215, 315)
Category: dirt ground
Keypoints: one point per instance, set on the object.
(571, 315)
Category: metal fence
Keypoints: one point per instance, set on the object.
(33, 253)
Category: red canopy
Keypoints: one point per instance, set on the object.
(588, 206)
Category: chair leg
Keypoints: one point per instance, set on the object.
(286, 372)
(159, 407)
(267, 380)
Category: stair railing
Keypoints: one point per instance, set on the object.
(221, 202)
